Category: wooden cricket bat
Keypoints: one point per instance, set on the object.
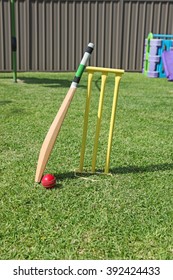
(54, 129)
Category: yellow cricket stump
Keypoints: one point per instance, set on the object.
(104, 73)
(85, 127)
(112, 122)
(99, 117)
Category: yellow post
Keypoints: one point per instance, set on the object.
(112, 122)
(85, 127)
(100, 109)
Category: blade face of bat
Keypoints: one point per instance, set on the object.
(52, 134)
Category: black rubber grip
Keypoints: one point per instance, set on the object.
(89, 49)
(76, 79)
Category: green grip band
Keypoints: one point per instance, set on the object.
(80, 70)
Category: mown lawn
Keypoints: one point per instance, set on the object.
(125, 215)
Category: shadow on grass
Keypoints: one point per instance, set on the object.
(63, 176)
(3, 76)
(142, 169)
(5, 102)
(117, 170)
(98, 83)
(48, 82)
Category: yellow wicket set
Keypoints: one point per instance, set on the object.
(104, 74)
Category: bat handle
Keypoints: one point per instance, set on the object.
(82, 65)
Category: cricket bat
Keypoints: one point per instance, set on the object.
(54, 129)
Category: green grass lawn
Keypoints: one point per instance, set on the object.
(126, 215)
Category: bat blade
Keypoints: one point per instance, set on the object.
(55, 127)
(51, 136)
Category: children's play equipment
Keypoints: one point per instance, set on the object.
(158, 56)
(167, 57)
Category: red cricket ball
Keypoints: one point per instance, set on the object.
(48, 181)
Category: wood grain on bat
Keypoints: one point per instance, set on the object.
(52, 135)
